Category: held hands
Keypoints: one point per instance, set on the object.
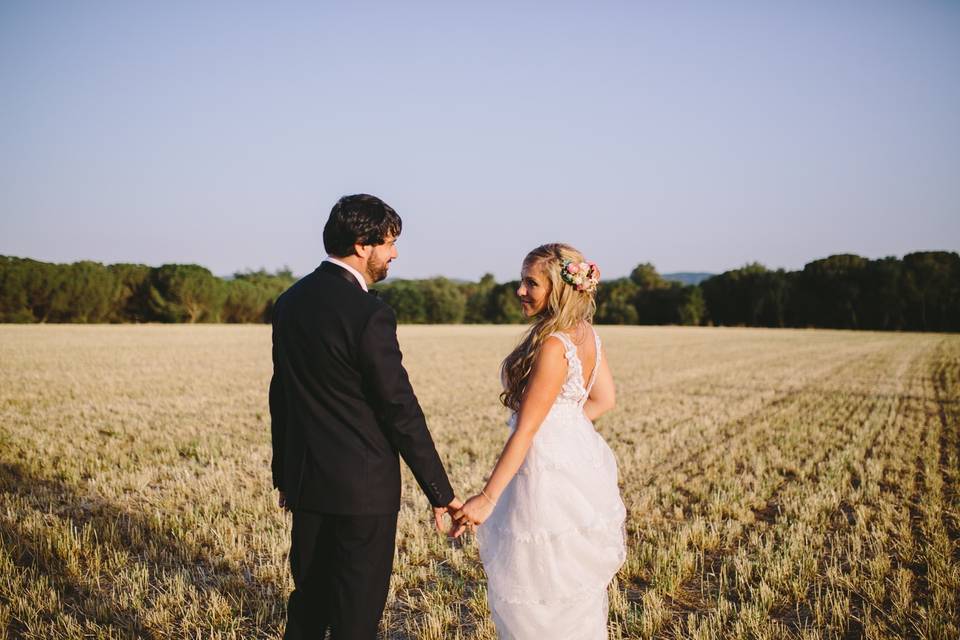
(473, 513)
(438, 513)
(462, 515)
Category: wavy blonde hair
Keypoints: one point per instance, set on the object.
(565, 308)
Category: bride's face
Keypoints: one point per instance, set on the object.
(533, 290)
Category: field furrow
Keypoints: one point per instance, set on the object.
(757, 485)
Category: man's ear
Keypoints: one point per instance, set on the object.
(363, 250)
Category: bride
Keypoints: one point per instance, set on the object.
(552, 519)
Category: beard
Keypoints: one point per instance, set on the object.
(377, 271)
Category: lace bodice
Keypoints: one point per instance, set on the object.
(575, 390)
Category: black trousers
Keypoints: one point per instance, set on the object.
(341, 568)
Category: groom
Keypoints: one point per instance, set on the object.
(342, 408)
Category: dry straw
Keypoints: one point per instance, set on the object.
(780, 484)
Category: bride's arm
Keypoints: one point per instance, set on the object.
(603, 395)
(546, 380)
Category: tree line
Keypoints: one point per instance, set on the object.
(34, 291)
(920, 292)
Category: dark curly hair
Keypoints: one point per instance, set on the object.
(359, 219)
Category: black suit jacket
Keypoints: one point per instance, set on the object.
(341, 404)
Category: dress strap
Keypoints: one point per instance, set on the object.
(596, 366)
(565, 339)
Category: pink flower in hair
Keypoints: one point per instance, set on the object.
(583, 276)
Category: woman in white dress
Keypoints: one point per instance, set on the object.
(550, 518)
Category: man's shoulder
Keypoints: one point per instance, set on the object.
(293, 292)
(333, 293)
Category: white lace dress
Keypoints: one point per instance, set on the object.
(556, 538)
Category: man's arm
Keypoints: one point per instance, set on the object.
(398, 411)
(278, 415)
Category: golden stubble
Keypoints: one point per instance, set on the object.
(779, 483)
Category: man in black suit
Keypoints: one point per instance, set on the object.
(342, 408)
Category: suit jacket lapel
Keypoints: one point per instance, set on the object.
(340, 272)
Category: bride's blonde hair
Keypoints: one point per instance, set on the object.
(566, 307)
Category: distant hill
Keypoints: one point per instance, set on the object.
(687, 277)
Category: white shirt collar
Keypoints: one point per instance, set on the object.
(356, 274)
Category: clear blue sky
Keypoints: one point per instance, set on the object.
(695, 135)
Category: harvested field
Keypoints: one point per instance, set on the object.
(779, 483)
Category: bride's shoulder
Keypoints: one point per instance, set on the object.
(557, 341)
(576, 336)
(550, 364)
(553, 351)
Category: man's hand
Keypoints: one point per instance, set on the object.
(439, 512)
(282, 501)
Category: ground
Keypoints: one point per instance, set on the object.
(779, 483)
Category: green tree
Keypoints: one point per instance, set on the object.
(443, 301)
(931, 287)
(616, 302)
(250, 295)
(675, 304)
(407, 300)
(131, 301)
(14, 304)
(883, 296)
(645, 276)
(85, 293)
(830, 291)
(41, 282)
(186, 293)
(244, 302)
(658, 301)
(691, 308)
(503, 306)
(478, 299)
(751, 295)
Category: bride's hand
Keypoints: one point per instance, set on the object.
(474, 511)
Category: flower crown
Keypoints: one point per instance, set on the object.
(583, 275)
